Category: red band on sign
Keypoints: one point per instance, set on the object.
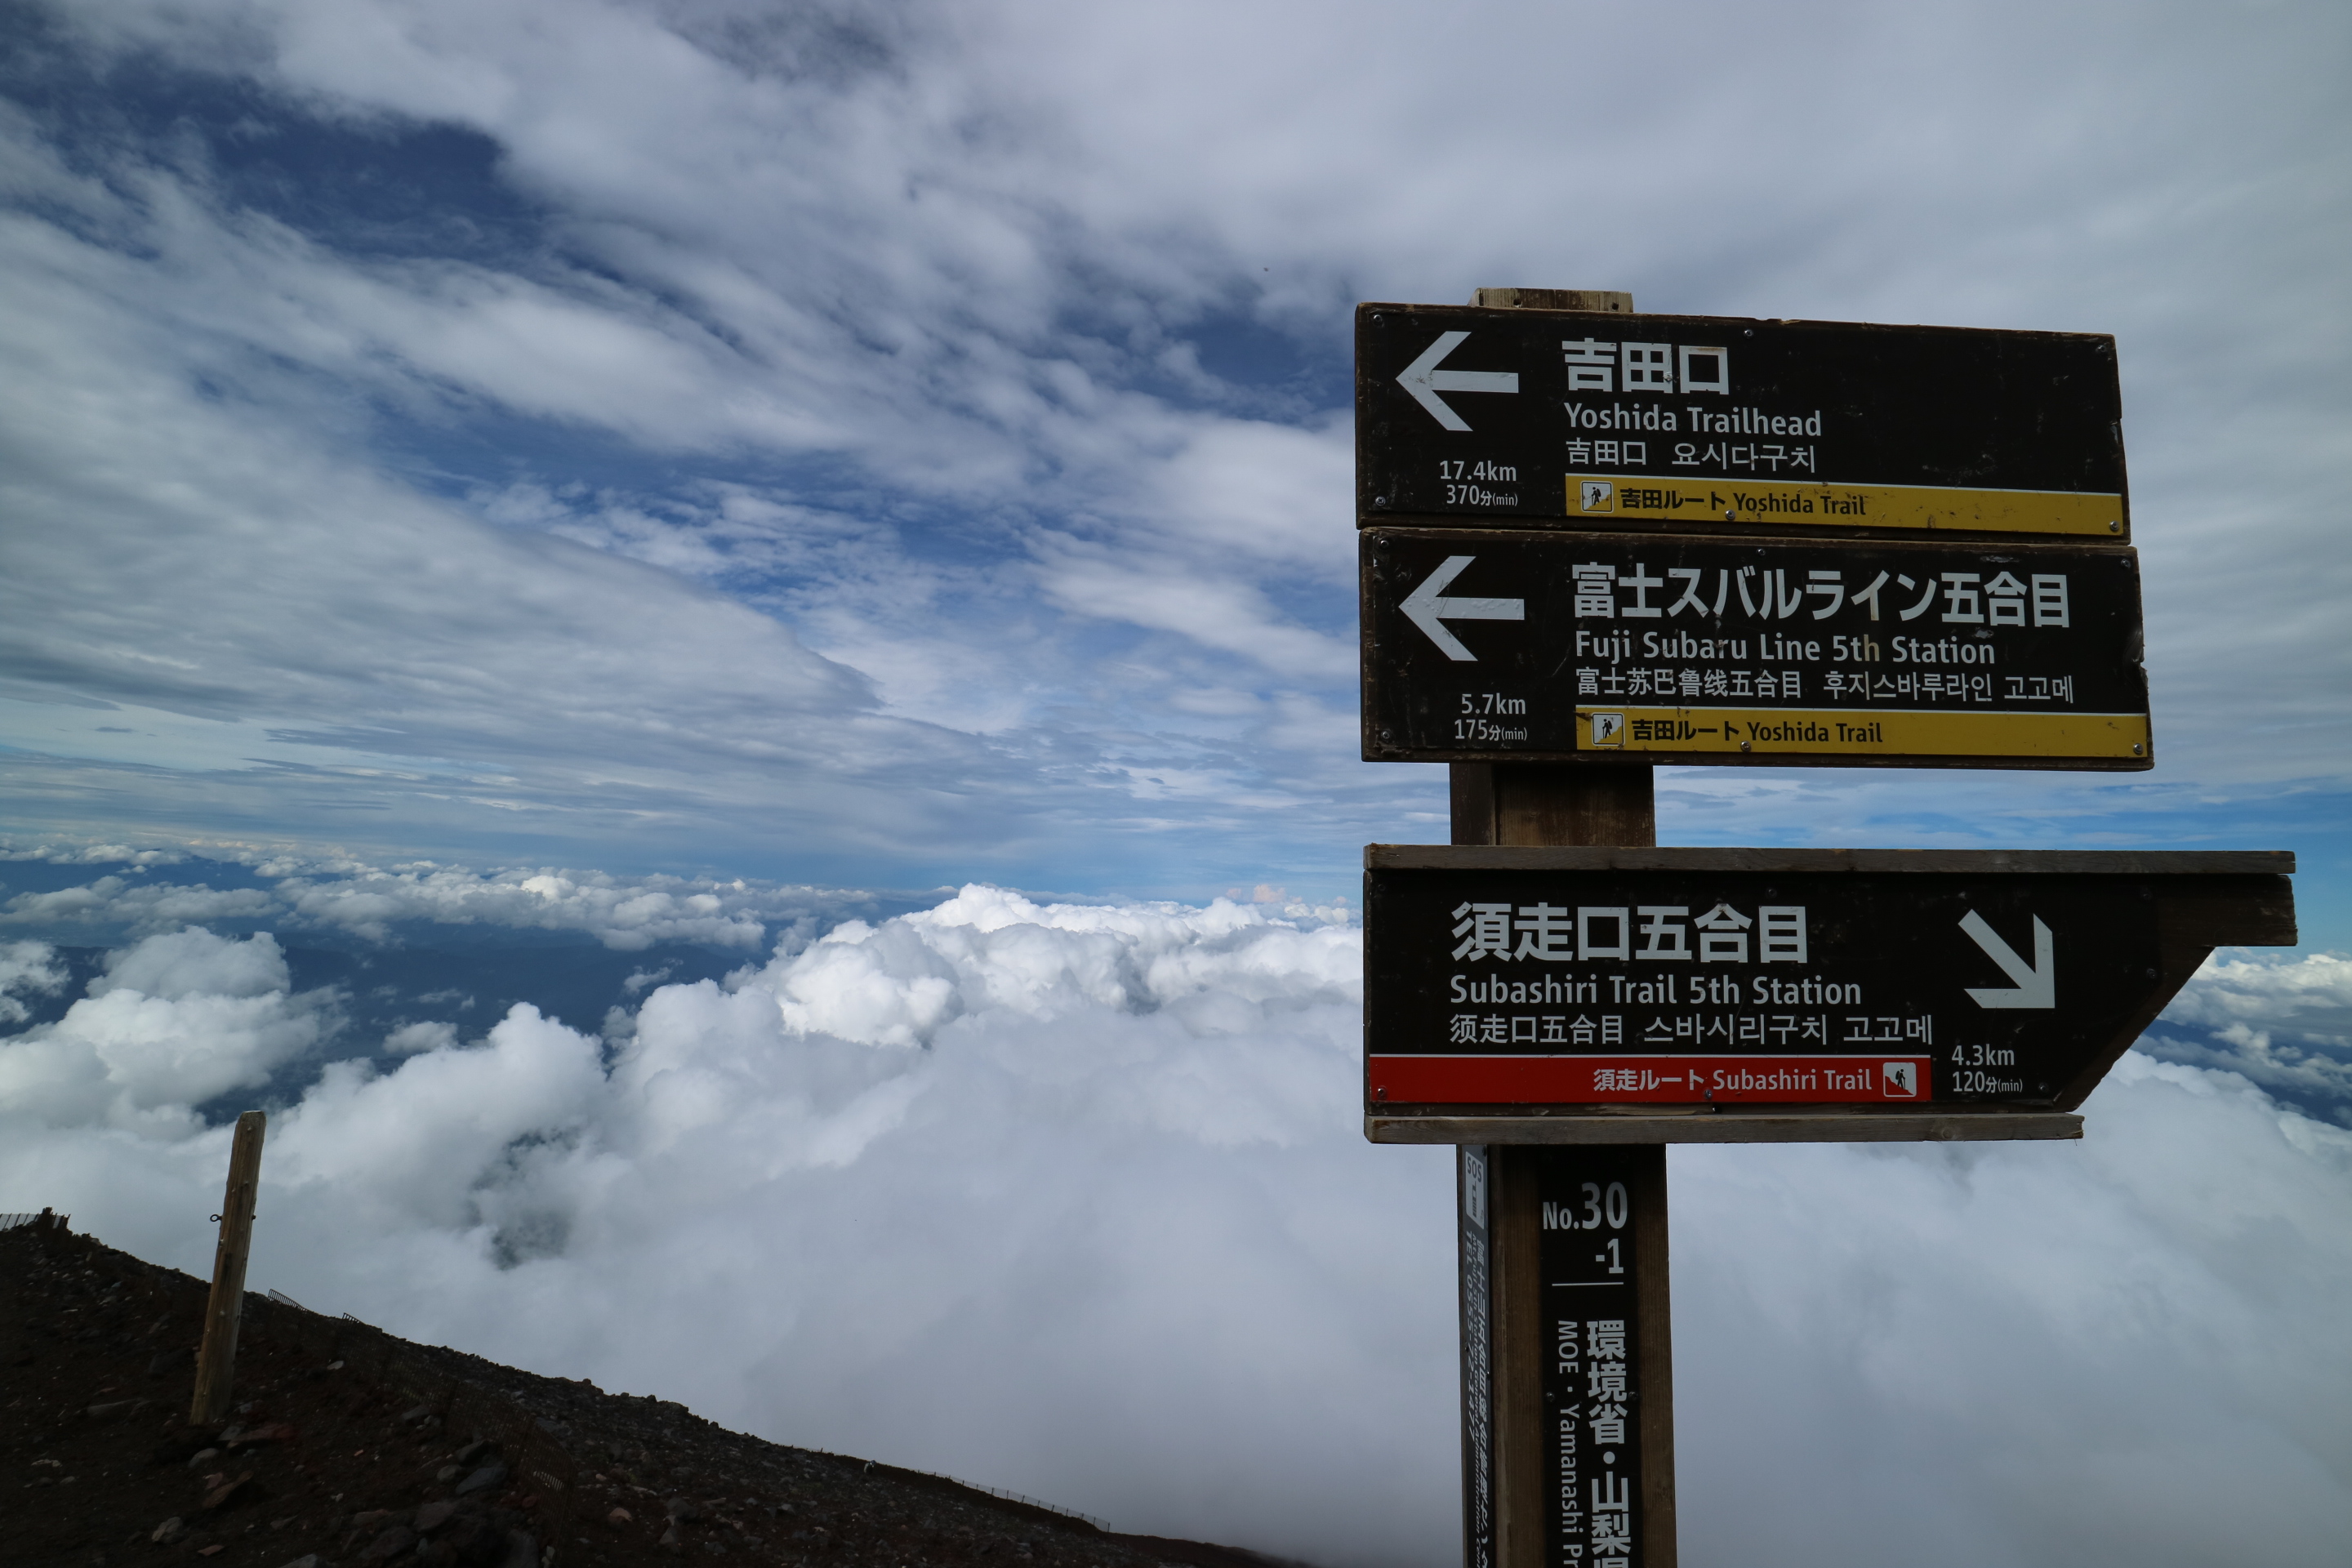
(1600, 1080)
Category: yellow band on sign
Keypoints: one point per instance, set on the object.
(1861, 732)
(1804, 504)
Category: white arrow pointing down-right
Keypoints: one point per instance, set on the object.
(2037, 983)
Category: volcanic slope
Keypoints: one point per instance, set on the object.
(348, 1446)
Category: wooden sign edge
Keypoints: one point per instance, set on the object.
(1960, 862)
(1797, 1126)
(1507, 313)
(1784, 760)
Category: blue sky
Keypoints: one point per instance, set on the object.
(888, 445)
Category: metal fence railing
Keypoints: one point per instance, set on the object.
(1101, 1524)
(12, 1221)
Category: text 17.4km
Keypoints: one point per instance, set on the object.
(1465, 482)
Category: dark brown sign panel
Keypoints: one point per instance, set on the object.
(1898, 981)
(1628, 421)
(1529, 646)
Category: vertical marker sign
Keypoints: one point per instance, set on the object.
(1592, 1380)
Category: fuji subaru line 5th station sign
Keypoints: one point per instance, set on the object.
(1685, 539)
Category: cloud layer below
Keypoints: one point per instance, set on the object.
(1073, 1199)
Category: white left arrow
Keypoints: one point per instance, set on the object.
(1425, 381)
(1425, 609)
(2037, 983)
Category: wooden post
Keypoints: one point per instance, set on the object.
(1519, 1371)
(217, 1362)
(1537, 804)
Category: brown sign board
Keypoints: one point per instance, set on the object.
(1692, 649)
(1479, 417)
(1538, 994)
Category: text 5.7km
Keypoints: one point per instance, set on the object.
(1492, 702)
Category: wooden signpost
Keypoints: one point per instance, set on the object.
(1592, 541)
(224, 1309)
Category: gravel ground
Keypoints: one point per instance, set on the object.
(350, 1446)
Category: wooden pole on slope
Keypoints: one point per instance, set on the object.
(217, 1362)
(1540, 804)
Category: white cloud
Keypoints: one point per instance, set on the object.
(2284, 1021)
(350, 896)
(145, 906)
(177, 1020)
(1282, 497)
(625, 914)
(411, 1039)
(26, 968)
(969, 1188)
(2071, 1329)
(392, 646)
(87, 854)
(2307, 995)
(1215, 609)
(195, 963)
(390, 1149)
(988, 950)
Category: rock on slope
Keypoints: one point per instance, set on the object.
(351, 1447)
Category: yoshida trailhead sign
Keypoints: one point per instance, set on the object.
(1470, 416)
(1596, 538)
